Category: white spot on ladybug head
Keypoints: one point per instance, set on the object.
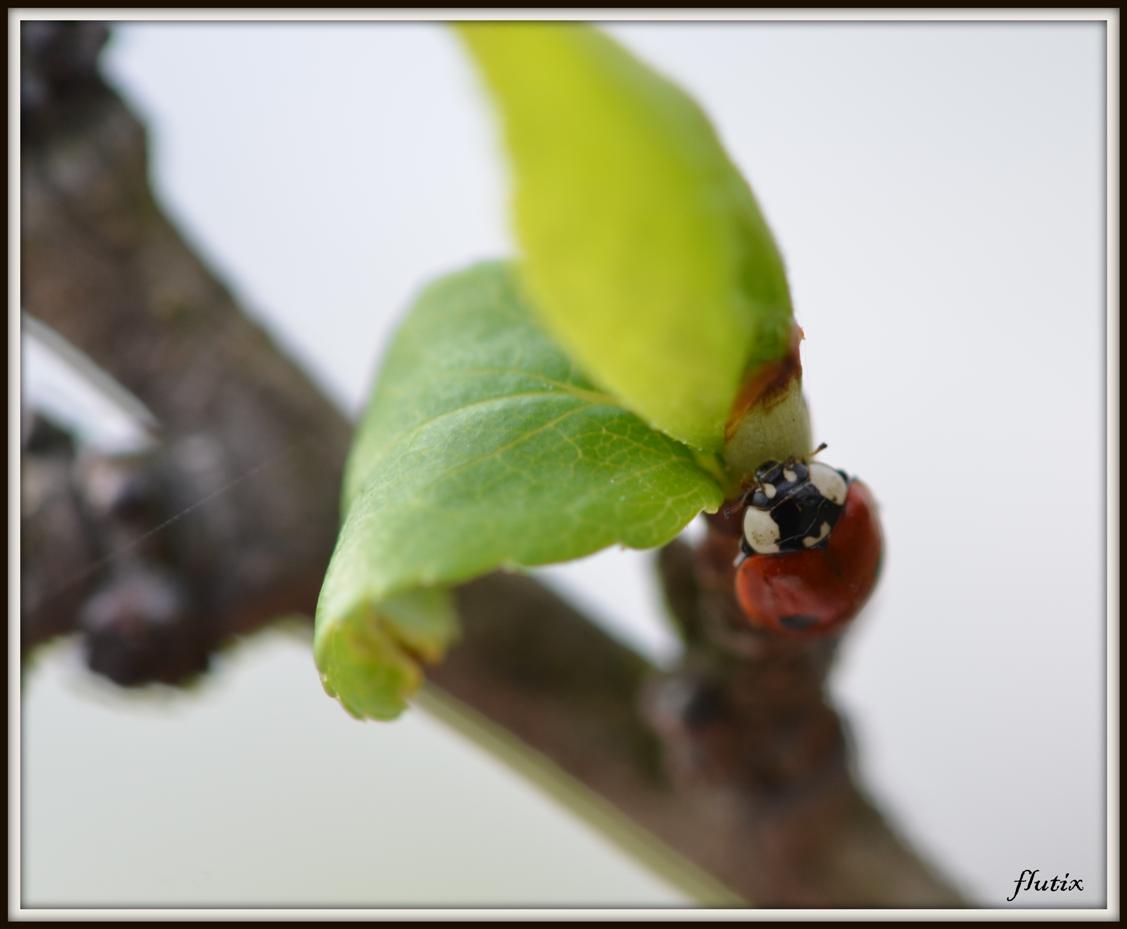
(761, 531)
(829, 482)
(811, 540)
(770, 491)
(790, 475)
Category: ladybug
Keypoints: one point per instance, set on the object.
(810, 550)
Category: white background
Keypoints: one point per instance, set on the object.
(937, 191)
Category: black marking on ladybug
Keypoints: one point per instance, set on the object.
(792, 507)
(798, 623)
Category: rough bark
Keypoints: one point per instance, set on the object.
(736, 760)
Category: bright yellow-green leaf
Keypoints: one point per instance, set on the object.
(482, 447)
(645, 253)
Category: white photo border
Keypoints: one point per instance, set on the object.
(1110, 17)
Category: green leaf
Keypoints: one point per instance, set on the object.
(369, 656)
(482, 447)
(644, 250)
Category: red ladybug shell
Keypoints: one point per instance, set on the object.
(813, 592)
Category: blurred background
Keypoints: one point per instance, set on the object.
(938, 194)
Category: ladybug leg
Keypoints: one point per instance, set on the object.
(738, 504)
(745, 553)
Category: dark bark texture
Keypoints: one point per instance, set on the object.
(157, 559)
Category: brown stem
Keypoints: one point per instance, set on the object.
(752, 741)
(738, 762)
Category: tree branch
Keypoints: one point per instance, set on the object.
(737, 761)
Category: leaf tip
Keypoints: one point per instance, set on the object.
(371, 658)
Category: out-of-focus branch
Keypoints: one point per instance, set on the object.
(738, 762)
(242, 427)
(531, 662)
(754, 745)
